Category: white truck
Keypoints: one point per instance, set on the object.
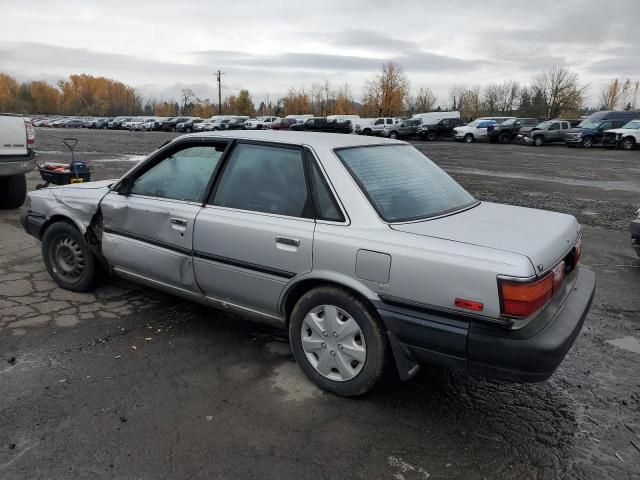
(377, 126)
(17, 138)
(434, 117)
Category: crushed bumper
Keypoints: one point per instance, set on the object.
(32, 223)
(530, 354)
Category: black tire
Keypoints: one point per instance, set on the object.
(587, 142)
(87, 268)
(504, 138)
(628, 143)
(538, 141)
(393, 135)
(432, 135)
(367, 131)
(468, 138)
(13, 191)
(374, 339)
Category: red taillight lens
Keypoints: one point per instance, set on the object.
(522, 299)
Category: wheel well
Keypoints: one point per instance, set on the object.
(298, 290)
(631, 137)
(55, 219)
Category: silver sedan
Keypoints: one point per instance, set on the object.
(366, 251)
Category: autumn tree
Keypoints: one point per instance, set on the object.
(296, 102)
(387, 90)
(8, 93)
(423, 101)
(560, 90)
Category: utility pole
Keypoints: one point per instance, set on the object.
(218, 74)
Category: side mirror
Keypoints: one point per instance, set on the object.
(125, 186)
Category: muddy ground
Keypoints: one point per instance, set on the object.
(130, 383)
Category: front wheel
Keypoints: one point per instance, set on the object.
(68, 258)
(538, 141)
(504, 138)
(337, 341)
(468, 138)
(431, 135)
(628, 143)
(587, 142)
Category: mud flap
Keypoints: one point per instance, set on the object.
(407, 366)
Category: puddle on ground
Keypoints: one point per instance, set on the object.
(631, 344)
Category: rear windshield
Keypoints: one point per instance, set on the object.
(402, 184)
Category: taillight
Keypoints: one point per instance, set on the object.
(31, 133)
(520, 299)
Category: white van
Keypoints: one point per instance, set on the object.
(342, 118)
(17, 139)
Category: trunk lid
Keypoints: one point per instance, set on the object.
(542, 236)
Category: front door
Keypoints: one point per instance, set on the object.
(256, 232)
(148, 231)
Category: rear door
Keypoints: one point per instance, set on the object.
(13, 136)
(148, 233)
(256, 231)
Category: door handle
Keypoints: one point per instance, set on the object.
(293, 242)
(180, 222)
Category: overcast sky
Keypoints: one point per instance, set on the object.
(162, 46)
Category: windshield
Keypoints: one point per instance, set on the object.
(634, 124)
(402, 184)
(511, 121)
(544, 125)
(591, 124)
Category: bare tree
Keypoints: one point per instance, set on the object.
(186, 96)
(560, 90)
(424, 100)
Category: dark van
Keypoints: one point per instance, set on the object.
(591, 130)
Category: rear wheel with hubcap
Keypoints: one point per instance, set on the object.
(67, 257)
(337, 341)
(393, 135)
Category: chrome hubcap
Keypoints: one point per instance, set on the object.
(67, 259)
(333, 343)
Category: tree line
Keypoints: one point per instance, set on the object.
(554, 92)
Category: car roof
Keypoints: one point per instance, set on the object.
(312, 139)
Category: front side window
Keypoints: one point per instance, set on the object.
(265, 179)
(402, 184)
(183, 175)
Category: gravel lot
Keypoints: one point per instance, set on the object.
(131, 383)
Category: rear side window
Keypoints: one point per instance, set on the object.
(402, 184)
(265, 179)
(327, 207)
(183, 175)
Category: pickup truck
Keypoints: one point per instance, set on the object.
(508, 130)
(17, 157)
(437, 128)
(408, 128)
(627, 137)
(377, 126)
(550, 131)
(320, 124)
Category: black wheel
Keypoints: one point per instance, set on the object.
(13, 191)
(431, 135)
(587, 142)
(337, 341)
(628, 143)
(367, 131)
(538, 141)
(393, 135)
(468, 138)
(504, 138)
(67, 258)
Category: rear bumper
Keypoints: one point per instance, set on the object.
(17, 165)
(530, 354)
(635, 235)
